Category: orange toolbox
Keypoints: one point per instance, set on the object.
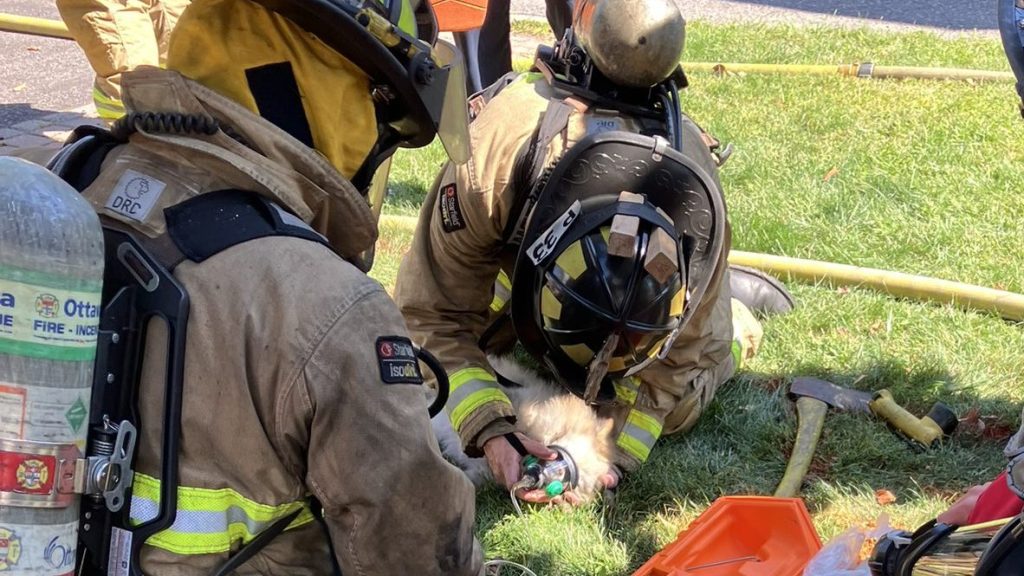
(459, 15)
(741, 536)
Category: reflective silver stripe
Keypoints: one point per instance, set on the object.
(197, 521)
(640, 434)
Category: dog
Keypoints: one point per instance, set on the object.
(548, 414)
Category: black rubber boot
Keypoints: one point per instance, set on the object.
(761, 293)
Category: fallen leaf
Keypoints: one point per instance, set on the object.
(20, 87)
(842, 290)
(876, 327)
(32, 49)
(884, 497)
(831, 174)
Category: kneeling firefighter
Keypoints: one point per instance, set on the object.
(982, 534)
(589, 226)
(250, 378)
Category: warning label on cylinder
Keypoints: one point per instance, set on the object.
(46, 322)
(40, 550)
(48, 414)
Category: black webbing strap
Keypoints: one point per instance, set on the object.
(256, 544)
(514, 441)
(526, 180)
(213, 222)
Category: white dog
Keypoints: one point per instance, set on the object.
(548, 414)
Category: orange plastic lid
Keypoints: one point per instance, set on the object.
(741, 536)
(459, 15)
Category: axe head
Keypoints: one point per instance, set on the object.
(835, 396)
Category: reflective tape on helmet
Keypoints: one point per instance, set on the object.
(639, 435)
(571, 261)
(208, 521)
(502, 291)
(469, 389)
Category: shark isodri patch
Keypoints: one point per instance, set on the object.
(397, 359)
(451, 213)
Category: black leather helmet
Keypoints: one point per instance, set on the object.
(590, 313)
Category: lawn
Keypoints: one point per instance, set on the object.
(916, 176)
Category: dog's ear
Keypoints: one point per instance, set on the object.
(604, 428)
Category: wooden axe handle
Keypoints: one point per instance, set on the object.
(811, 415)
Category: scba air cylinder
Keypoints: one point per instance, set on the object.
(51, 271)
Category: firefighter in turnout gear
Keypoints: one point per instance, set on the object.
(244, 168)
(118, 36)
(589, 227)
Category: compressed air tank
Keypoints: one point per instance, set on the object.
(51, 271)
(634, 43)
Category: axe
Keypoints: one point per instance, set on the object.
(813, 399)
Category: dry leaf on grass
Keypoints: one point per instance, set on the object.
(884, 497)
(831, 174)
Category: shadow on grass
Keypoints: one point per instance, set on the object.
(404, 197)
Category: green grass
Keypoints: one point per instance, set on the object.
(927, 180)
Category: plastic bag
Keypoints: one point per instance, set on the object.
(843, 555)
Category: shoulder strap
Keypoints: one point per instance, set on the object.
(213, 222)
(526, 181)
(78, 162)
(479, 100)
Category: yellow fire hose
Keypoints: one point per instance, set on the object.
(859, 70)
(34, 26)
(1009, 305)
(57, 29)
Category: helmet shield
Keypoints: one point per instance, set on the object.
(452, 123)
(1011, 20)
(573, 300)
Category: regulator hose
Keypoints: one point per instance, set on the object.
(443, 387)
(164, 123)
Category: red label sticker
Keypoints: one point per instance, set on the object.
(27, 473)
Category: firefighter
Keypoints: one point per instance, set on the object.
(118, 36)
(244, 168)
(589, 227)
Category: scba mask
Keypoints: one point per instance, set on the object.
(990, 549)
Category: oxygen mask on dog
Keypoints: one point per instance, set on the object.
(554, 477)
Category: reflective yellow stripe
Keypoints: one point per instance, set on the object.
(474, 401)
(626, 389)
(639, 434)
(107, 107)
(465, 375)
(633, 447)
(502, 291)
(208, 521)
(645, 422)
(471, 388)
(407, 20)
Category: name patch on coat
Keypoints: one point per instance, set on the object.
(397, 359)
(451, 214)
(135, 195)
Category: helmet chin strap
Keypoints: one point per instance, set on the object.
(598, 368)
